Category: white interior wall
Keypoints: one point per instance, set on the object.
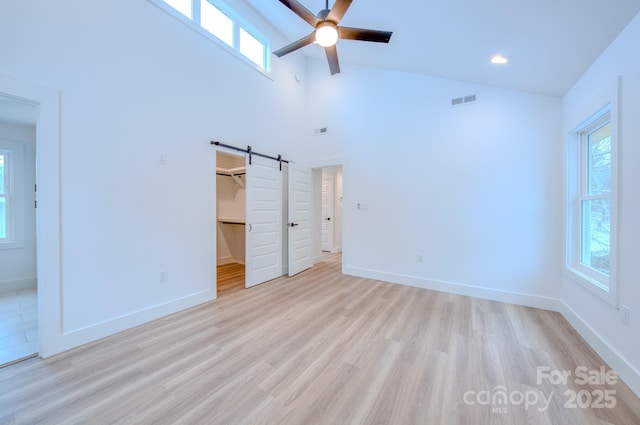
(476, 191)
(599, 322)
(18, 265)
(152, 87)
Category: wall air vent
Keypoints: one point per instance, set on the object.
(463, 100)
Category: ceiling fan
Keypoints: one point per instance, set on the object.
(327, 32)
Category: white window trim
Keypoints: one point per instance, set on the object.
(7, 195)
(194, 24)
(16, 205)
(595, 282)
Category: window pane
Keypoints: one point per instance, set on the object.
(3, 217)
(216, 22)
(182, 6)
(599, 169)
(596, 220)
(2, 159)
(251, 48)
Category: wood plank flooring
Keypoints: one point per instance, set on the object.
(18, 325)
(320, 348)
(230, 278)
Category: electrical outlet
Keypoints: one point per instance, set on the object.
(320, 131)
(163, 276)
(420, 258)
(162, 159)
(624, 314)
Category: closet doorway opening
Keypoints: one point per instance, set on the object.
(231, 201)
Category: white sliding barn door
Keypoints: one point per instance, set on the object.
(299, 226)
(263, 259)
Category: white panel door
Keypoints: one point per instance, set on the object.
(328, 196)
(299, 225)
(263, 259)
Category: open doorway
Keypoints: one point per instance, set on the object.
(327, 183)
(18, 264)
(230, 222)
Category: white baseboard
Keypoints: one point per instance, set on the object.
(625, 370)
(228, 260)
(622, 366)
(225, 260)
(528, 300)
(19, 284)
(76, 337)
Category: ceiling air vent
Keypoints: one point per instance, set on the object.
(464, 99)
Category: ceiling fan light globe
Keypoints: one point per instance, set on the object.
(326, 34)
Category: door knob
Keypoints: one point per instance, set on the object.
(328, 219)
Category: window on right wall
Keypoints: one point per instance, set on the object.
(592, 208)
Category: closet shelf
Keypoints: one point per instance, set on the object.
(238, 171)
(234, 173)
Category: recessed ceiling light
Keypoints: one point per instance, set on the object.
(499, 60)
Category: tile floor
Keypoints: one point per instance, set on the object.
(18, 325)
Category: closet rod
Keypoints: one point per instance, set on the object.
(251, 152)
(229, 175)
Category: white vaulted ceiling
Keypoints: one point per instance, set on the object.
(550, 43)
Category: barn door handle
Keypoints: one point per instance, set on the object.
(293, 224)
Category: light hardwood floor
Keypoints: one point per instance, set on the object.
(318, 348)
(18, 325)
(230, 279)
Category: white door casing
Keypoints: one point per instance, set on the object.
(299, 226)
(263, 221)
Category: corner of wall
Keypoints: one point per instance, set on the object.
(529, 300)
(615, 359)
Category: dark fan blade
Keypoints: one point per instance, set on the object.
(296, 45)
(301, 11)
(364, 35)
(338, 11)
(332, 57)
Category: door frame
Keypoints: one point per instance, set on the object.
(48, 218)
(317, 166)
